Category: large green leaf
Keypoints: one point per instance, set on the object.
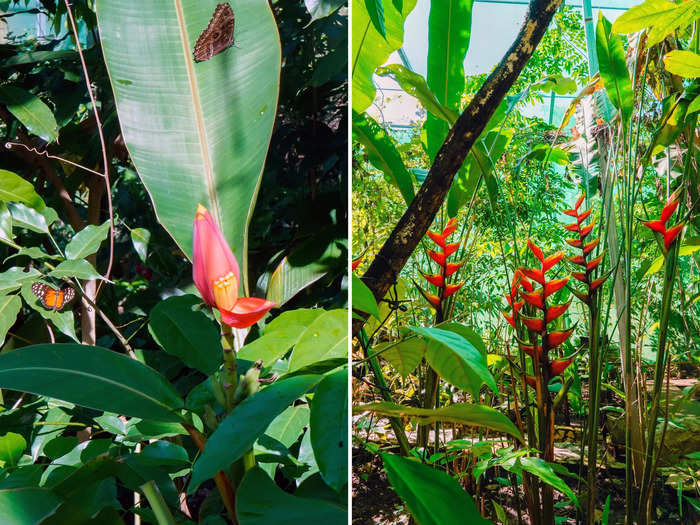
(14, 188)
(456, 360)
(433, 497)
(288, 280)
(382, 153)
(280, 335)
(196, 132)
(543, 470)
(613, 68)
(31, 111)
(11, 447)
(683, 63)
(661, 16)
(13, 278)
(449, 31)
(404, 356)
(363, 299)
(416, 86)
(186, 332)
(370, 49)
(87, 241)
(10, 305)
(261, 502)
(236, 434)
(461, 413)
(329, 428)
(79, 268)
(325, 338)
(93, 377)
(27, 505)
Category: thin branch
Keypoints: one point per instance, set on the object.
(45, 153)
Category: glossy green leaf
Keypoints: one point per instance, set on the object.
(288, 426)
(685, 249)
(280, 336)
(325, 338)
(140, 237)
(433, 497)
(613, 68)
(27, 505)
(10, 305)
(557, 83)
(93, 377)
(661, 16)
(26, 217)
(12, 279)
(416, 86)
(683, 63)
(14, 188)
(87, 241)
(449, 32)
(322, 8)
(79, 269)
(468, 333)
(542, 470)
(288, 280)
(461, 413)
(31, 111)
(371, 50)
(261, 502)
(329, 428)
(12, 446)
(33, 252)
(382, 153)
(181, 329)
(236, 434)
(6, 224)
(363, 299)
(456, 360)
(694, 106)
(375, 9)
(165, 454)
(63, 320)
(213, 149)
(403, 356)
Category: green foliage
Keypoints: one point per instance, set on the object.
(152, 410)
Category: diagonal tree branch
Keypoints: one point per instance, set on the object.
(420, 214)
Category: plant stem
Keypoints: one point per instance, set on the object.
(158, 505)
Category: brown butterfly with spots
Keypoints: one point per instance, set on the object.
(52, 298)
(218, 36)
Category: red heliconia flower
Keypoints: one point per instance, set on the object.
(451, 288)
(439, 280)
(659, 226)
(531, 381)
(557, 367)
(355, 263)
(586, 249)
(530, 349)
(216, 275)
(519, 282)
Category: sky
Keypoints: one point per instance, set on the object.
(494, 28)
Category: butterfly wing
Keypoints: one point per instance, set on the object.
(51, 298)
(218, 35)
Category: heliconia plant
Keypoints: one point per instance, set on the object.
(659, 225)
(446, 269)
(530, 316)
(592, 278)
(670, 249)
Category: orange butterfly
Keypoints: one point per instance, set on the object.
(51, 298)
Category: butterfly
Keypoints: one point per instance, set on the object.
(218, 36)
(51, 298)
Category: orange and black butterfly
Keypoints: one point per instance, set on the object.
(51, 298)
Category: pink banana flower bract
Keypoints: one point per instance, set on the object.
(217, 276)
